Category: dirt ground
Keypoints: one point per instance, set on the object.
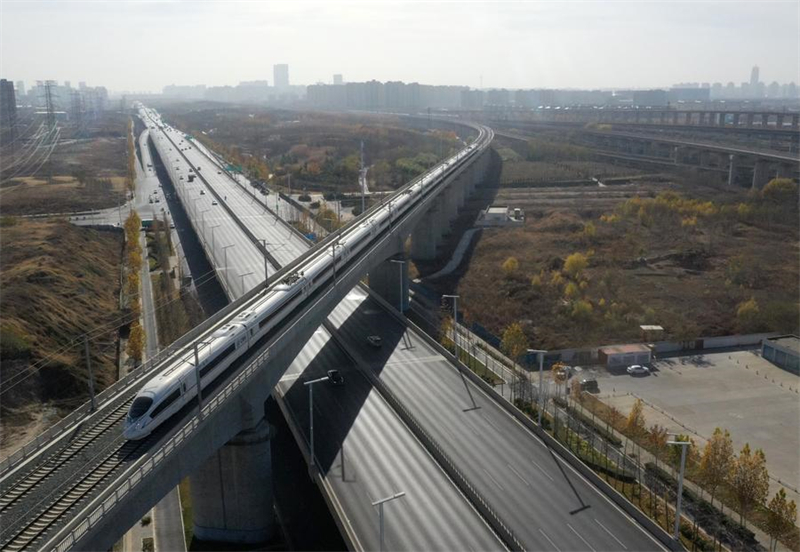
(64, 194)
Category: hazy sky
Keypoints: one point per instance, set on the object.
(138, 45)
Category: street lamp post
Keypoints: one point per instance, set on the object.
(225, 253)
(212, 228)
(540, 354)
(400, 264)
(310, 385)
(684, 445)
(197, 378)
(379, 504)
(266, 265)
(203, 219)
(455, 321)
(333, 255)
(242, 277)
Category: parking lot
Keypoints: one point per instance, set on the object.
(738, 391)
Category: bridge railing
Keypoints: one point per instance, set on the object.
(113, 496)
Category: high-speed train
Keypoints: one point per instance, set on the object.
(166, 393)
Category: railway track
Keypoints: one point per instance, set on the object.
(11, 494)
(34, 524)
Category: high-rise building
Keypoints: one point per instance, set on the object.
(280, 75)
(8, 112)
(337, 79)
(20, 88)
(754, 77)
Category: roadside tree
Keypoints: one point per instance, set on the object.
(716, 461)
(749, 480)
(781, 517)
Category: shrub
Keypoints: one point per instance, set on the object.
(575, 264)
(305, 198)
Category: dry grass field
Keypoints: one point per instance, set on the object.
(697, 260)
(63, 194)
(57, 282)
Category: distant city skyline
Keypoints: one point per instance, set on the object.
(567, 45)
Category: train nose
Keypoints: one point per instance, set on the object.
(132, 432)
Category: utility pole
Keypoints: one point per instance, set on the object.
(89, 372)
(362, 178)
(199, 387)
(379, 504)
(266, 265)
(455, 322)
(684, 445)
(310, 385)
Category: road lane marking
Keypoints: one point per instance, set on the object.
(580, 537)
(493, 479)
(610, 533)
(519, 475)
(491, 423)
(549, 540)
(550, 477)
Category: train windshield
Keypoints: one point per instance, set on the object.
(139, 407)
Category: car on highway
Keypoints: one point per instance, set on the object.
(214, 202)
(335, 377)
(637, 370)
(202, 192)
(375, 341)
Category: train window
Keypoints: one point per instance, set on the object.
(166, 403)
(139, 407)
(219, 358)
(263, 322)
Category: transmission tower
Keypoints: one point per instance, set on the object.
(49, 105)
(77, 111)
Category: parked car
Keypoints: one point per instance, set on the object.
(637, 370)
(374, 340)
(590, 385)
(335, 377)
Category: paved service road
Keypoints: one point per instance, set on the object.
(547, 504)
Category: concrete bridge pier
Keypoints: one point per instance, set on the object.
(232, 496)
(390, 280)
(760, 174)
(736, 120)
(785, 170)
(425, 236)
